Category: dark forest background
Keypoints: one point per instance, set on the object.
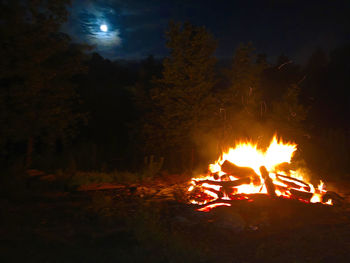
(62, 106)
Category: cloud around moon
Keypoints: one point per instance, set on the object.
(85, 25)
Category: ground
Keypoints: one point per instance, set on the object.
(153, 223)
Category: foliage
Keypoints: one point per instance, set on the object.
(287, 114)
(251, 108)
(328, 154)
(38, 98)
(244, 91)
(242, 103)
(146, 108)
(181, 97)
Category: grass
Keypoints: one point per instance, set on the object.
(114, 226)
(119, 226)
(82, 178)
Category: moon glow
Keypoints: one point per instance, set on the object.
(104, 28)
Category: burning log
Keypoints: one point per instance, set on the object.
(270, 187)
(237, 171)
(289, 184)
(285, 167)
(330, 195)
(245, 180)
(228, 191)
(292, 182)
(240, 172)
(301, 194)
(226, 180)
(225, 177)
(216, 176)
(218, 193)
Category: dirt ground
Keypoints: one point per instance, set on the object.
(139, 224)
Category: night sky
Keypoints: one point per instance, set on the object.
(136, 27)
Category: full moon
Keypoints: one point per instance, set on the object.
(104, 28)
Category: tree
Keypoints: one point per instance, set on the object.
(183, 104)
(287, 114)
(37, 95)
(260, 99)
(242, 102)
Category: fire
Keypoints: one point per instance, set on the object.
(246, 169)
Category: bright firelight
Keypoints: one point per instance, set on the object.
(288, 183)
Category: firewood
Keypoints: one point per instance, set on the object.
(215, 176)
(240, 172)
(228, 190)
(270, 187)
(225, 177)
(218, 193)
(301, 194)
(235, 183)
(281, 188)
(282, 178)
(237, 171)
(285, 167)
(289, 184)
(336, 199)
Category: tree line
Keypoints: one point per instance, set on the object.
(63, 106)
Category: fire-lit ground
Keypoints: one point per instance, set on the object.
(245, 171)
(131, 225)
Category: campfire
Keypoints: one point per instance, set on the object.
(244, 172)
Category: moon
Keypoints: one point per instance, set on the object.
(104, 28)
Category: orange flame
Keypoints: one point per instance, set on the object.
(247, 154)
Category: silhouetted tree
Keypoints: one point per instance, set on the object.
(242, 103)
(183, 104)
(285, 114)
(37, 96)
(106, 98)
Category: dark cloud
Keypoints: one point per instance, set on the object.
(284, 26)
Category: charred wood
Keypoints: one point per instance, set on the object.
(270, 187)
(218, 193)
(240, 172)
(289, 184)
(234, 183)
(225, 177)
(215, 176)
(330, 195)
(281, 188)
(285, 178)
(228, 190)
(300, 194)
(237, 171)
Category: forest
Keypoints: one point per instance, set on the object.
(70, 117)
(64, 106)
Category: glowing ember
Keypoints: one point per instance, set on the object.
(211, 206)
(246, 169)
